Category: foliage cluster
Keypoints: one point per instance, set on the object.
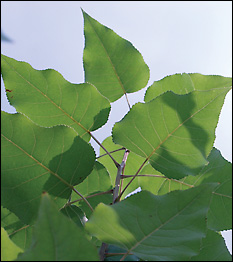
(59, 201)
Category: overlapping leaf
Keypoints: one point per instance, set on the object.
(167, 228)
(19, 232)
(93, 186)
(110, 62)
(218, 170)
(35, 159)
(9, 251)
(57, 238)
(186, 83)
(48, 99)
(175, 132)
(213, 248)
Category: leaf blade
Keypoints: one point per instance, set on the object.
(174, 132)
(48, 99)
(145, 228)
(111, 63)
(37, 159)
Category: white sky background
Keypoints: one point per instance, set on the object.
(173, 37)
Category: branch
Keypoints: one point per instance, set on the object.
(118, 177)
(131, 179)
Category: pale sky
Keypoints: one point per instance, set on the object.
(173, 37)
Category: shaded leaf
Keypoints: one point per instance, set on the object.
(213, 248)
(56, 238)
(48, 99)
(115, 250)
(110, 62)
(168, 227)
(9, 251)
(218, 170)
(175, 132)
(35, 159)
(75, 214)
(97, 181)
(186, 83)
(18, 232)
(93, 186)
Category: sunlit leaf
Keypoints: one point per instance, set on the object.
(57, 238)
(9, 251)
(167, 228)
(175, 132)
(48, 99)
(185, 83)
(35, 159)
(110, 62)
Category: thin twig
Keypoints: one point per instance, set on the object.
(123, 148)
(96, 194)
(76, 191)
(115, 162)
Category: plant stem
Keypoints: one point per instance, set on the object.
(104, 246)
(118, 177)
(132, 179)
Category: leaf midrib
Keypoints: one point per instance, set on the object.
(113, 67)
(181, 124)
(38, 162)
(158, 228)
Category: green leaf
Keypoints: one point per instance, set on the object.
(75, 214)
(35, 159)
(48, 99)
(132, 165)
(110, 62)
(57, 238)
(18, 232)
(115, 250)
(167, 228)
(186, 83)
(213, 248)
(97, 181)
(9, 251)
(218, 171)
(175, 132)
